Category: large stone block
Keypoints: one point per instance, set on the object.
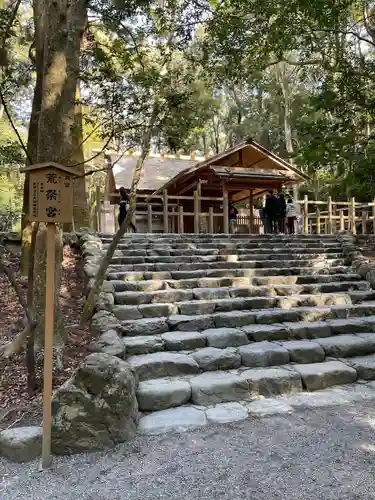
(211, 358)
(161, 394)
(342, 346)
(147, 326)
(172, 420)
(96, 408)
(364, 366)
(109, 343)
(143, 344)
(218, 387)
(303, 330)
(234, 319)
(272, 381)
(178, 341)
(225, 337)
(190, 323)
(21, 444)
(127, 313)
(162, 364)
(226, 412)
(304, 351)
(261, 354)
(321, 375)
(275, 331)
(103, 321)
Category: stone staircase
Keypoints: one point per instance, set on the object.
(210, 319)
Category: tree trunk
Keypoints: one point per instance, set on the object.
(32, 140)
(288, 136)
(80, 207)
(60, 25)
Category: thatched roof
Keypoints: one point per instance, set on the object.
(156, 170)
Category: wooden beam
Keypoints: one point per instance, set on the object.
(225, 210)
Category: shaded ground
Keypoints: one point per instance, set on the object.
(326, 454)
(16, 406)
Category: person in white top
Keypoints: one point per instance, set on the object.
(292, 212)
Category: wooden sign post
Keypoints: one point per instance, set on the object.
(50, 201)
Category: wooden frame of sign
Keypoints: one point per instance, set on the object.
(50, 193)
(50, 201)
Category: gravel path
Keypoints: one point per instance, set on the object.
(320, 454)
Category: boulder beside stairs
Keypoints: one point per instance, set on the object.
(96, 408)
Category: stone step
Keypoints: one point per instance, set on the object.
(252, 355)
(211, 388)
(335, 258)
(358, 290)
(297, 317)
(260, 250)
(292, 272)
(329, 283)
(263, 354)
(223, 248)
(215, 238)
(244, 264)
(222, 338)
(196, 307)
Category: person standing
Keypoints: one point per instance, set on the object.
(124, 207)
(291, 216)
(281, 213)
(233, 212)
(271, 210)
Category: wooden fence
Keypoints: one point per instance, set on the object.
(166, 214)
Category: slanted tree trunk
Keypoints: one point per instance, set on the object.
(92, 298)
(59, 26)
(284, 86)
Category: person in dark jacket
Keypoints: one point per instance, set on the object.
(271, 210)
(124, 207)
(232, 215)
(281, 213)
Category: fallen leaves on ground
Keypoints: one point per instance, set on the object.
(15, 403)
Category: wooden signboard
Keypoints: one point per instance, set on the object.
(51, 193)
(51, 201)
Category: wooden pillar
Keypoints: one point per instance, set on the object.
(180, 219)
(354, 229)
(306, 215)
(211, 220)
(330, 228)
(165, 211)
(342, 220)
(225, 210)
(373, 217)
(97, 208)
(364, 221)
(201, 220)
(196, 212)
(334, 222)
(318, 230)
(173, 220)
(149, 218)
(251, 206)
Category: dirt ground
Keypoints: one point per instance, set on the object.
(17, 407)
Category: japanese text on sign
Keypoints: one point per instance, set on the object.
(51, 195)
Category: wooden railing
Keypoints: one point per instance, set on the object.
(166, 213)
